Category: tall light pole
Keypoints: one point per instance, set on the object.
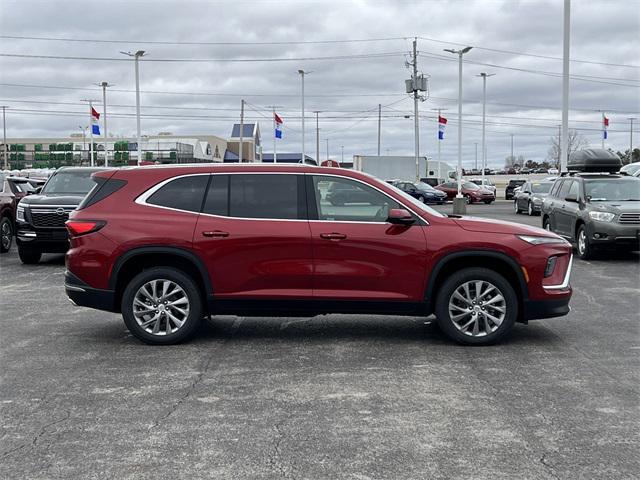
(476, 167)
(4, 135)
(302, 74)
(136, 56)
(458, 203)
(484, 76)
(631, 119)
(566, 42)
(379, 125)
(512, 158)
(104, 86)
(342, 154)
(84, 137)
(327, 148)
(317, 112)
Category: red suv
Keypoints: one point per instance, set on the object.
(469, 190)
(166, 246)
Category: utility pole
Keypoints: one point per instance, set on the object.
(317, 112)
(104, 86)
(564, 148)
(415, 108)
(136, 56)
(4, 136)
(484, 76)
(379, 125)
(240, 151)
(458, 204)
(327, 149)
(476, 144)
(631, 119)
(342, 154)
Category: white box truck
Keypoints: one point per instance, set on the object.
(391, 167)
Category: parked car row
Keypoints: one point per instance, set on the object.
(593, 206)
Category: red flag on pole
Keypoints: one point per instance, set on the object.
(95, 114)
(277, 118)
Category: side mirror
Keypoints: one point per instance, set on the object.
(400, 216)
(37, 190)
(571, 198)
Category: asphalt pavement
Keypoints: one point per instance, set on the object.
(331, 397)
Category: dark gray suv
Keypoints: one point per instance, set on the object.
(594, 210)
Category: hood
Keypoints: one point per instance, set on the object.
(616, 206)
(53, 199)
(484, 225)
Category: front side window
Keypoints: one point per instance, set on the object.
(184, 193)
(346, 200)
(564, 190)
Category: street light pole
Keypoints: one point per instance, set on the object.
(458, 204)
(631, 119)
(476, 167)
(317, 112)
(327, 148)
(136, 56)
(512, 158)
(342, 154)
(4, 136)
(302, 74)
(564, 144)
(484, 76)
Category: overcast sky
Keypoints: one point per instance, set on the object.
(203, 97)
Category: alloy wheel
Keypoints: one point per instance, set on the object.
(477, 308)
(582, 242)
(530, 209)
(161, 307)
(6, 236)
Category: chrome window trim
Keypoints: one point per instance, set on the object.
(144, 196)
(565, 282)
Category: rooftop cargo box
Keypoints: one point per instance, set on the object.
(594, 160)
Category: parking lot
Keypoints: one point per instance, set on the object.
(357, 397)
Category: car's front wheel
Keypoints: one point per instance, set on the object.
(476, 306)
(29, 257)
(162, 306)
(6, 235)
(516, 208)
(585, 248)
(530, 209)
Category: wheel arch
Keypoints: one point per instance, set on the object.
(137, 260)
(496, 261)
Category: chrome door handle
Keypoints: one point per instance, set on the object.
(215, 234)
(333, 236)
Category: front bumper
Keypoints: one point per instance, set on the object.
(613, 233)
(539, 309)
(83, 295)
(50, 240)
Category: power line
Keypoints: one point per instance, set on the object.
(206, 60)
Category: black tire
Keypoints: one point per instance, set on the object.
(29, 257)
(488, 202)
(468, 199)
(457, 280)
(189, 288)
(422, 199)
(585, 248)
(6, 234)
(530, 209)
(516, 208)
(546, 224)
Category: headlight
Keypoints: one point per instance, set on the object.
(20, 213)
(602, 216)
(533, 240)
(537, 201)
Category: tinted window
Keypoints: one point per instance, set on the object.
(541, 187)
(70, 182)
(264, 196)
(555, 188)
(217, 201)
(341, 199)
(184, 193)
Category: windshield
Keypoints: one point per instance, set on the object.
(541, 187)
(612, 189)
(69, 183)
(416, 203)
(425, 187)
(470, 186)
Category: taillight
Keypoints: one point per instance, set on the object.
(82, 227)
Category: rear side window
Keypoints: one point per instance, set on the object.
(217, 201)
(565, 188)
(102, 189)
(184, 193)
(265, 196)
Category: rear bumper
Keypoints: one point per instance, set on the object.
(83, 295)
(538, 309)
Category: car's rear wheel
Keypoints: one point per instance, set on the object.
(29, 257)
(6, 235)
(468, 199)
(162, 306)
(476, 306)
(585, 248)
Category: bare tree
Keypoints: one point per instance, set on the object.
(576, 142)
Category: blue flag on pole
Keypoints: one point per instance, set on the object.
(278, 132)
(96, 129)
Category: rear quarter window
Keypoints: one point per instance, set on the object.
(186, 193)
